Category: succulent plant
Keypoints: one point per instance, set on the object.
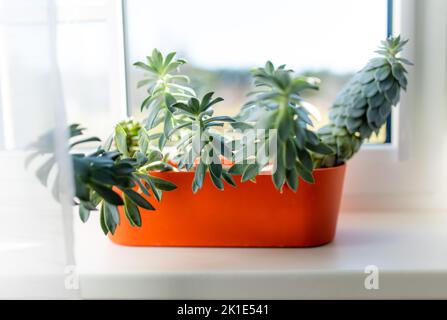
(119, 172)
(125, 138)
(164, 87)
(277, 105)
(364, 104)
(202, 145)
(103, 178)
(186, 120)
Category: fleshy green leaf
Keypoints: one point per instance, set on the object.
(121, 140)
(108, 194)
(84, 213)
(292, 179)
(162, 184)
(199, 176)
(304, 173)
(237, 169)
(216, 181)
(132, 212)
(216, 169)
(111, 217)
(278, 178)
(228, 178)
(44, 171)
(321, 149)
(250, 172)
(136, 198)
(102, 220)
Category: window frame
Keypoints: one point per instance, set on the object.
(397, 175)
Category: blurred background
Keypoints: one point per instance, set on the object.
(221, 40)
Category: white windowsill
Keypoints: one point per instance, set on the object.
(409, 248)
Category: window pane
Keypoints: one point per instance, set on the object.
(84, 58)
(222, 40)
(85, 44)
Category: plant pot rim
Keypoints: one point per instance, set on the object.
(331, 168)
(317, 169)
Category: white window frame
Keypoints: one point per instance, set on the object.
(409, 172)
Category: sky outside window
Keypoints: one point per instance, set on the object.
(222, 40)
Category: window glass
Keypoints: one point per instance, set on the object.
(222, 40)
(84, 48)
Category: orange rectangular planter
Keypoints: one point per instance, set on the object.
(249, 215)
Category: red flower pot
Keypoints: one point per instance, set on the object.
(249, 215)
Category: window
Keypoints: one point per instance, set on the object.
(89, 45)
(222, 40)
(90, 53)
(85, 45)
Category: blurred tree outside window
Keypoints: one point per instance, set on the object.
(223, 40)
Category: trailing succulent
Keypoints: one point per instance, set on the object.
(118, 173)
(104, 178)
(364, 104)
